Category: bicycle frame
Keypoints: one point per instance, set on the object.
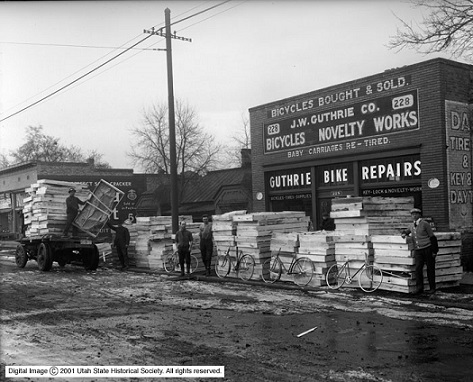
(243, 265)
(301, 268)
(370, 276)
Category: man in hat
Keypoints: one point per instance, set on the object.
(422, 238)
(121, 242)
(72, 209)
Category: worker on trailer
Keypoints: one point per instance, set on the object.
(72, 209)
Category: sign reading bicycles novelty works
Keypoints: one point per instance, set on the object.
(358, 124)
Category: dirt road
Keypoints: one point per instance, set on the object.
(107, 317)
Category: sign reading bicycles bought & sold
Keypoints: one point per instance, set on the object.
(347, 127)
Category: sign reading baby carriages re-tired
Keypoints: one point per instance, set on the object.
(93, 217)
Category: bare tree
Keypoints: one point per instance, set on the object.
(239, 141)
(447, 27)
(196, 151)
(42, 147)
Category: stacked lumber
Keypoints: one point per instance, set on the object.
(349, 216)
(254, 232)
(159, 240)
(371, 215)
(45, 206)
(393, 255)
(448, 268)
(387, 216)
(319, 247)
(151, 239)
(224, 232)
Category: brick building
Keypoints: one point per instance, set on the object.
(406, 131)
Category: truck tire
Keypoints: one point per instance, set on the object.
(91, 259)
(44, 257)
(21, 257)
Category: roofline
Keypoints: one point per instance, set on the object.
(436, 60)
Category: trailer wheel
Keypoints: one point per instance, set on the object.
(21, 257)
(44, 258)
(91, 259)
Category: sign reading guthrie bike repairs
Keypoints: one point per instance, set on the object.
(358, 124)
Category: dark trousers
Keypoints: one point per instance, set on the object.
(424, 256)
(122, 252)
(184, 256)
(206, 250)
(70, 219)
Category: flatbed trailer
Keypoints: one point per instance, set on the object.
(54, 248)
(49, 248)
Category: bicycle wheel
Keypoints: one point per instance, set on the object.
(370, 278)
(194, 263)
(169, 263)
(303, 271)
(271, 271)
(222, 265)
(336, 276)
(246, 267)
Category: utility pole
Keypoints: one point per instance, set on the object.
(172, 121)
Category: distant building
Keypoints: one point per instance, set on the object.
(215, 193)
(15, 179)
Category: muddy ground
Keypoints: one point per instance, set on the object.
(113, 318)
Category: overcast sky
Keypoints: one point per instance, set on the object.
(243, 54)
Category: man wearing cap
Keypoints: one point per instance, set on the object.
(72, 209)
(422, 237)
(121, 242)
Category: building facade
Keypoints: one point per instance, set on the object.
(403, 132)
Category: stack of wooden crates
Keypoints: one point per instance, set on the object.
(380, 222)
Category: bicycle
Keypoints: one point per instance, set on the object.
(370, 276)
(301, 268)
(244, 265)
(171, 263)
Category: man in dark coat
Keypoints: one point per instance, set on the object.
(184, 241)
(328, 224)
(72, 209)
(121, 242)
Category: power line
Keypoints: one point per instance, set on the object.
(77, 79)
(109, 60)
(69, 45)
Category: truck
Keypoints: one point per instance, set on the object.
(52, 247)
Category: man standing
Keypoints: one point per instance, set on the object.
(422, 237)
(121, 242)
(72, 209)
(206, 243)
(184, 241)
